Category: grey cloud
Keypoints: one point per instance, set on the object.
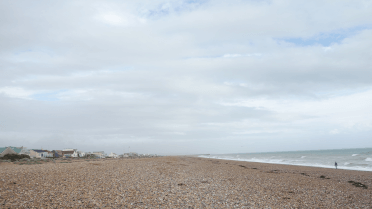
(152, 74)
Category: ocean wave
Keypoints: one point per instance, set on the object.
(354, 155)
(368, 159)
(346, 163)
(360, 167)
(303, 156)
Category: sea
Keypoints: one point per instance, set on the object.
(350, 159)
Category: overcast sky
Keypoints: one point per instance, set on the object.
(186, 76)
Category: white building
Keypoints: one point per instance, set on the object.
(75, 154)
(81, 154)
(113, 155)
(36, 153)
(100, 154)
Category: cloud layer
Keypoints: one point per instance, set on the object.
(183, 77)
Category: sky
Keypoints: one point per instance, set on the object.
(186, 76)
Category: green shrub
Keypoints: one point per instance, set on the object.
(14, 157)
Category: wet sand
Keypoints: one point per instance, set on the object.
(180, 182)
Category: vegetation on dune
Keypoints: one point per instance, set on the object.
(14, 157)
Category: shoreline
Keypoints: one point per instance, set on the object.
(181, 182)
(329, 167)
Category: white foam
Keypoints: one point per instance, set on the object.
(303, 156)
(346, 163)
(368, 159)
(278, 161)
(354, 155)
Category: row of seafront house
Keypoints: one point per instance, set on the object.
(65, 153)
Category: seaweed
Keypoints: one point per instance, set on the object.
(358, 184)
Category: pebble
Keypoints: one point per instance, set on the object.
(179, 182)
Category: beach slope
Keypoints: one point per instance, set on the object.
(180, 182)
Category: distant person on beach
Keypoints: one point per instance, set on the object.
(336, 164)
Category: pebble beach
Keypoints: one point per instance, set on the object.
(180, 182)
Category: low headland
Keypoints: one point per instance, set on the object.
(179, 182)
